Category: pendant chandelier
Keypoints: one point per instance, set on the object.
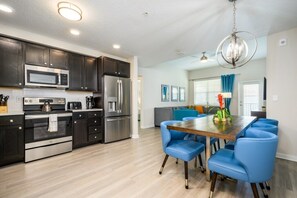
(238, 48)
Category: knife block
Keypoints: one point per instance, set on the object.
(3, 107)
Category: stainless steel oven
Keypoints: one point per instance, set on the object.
(46, 133)
(46, 77)
(40, 142)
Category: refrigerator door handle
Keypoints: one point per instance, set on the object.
(118, 96)
(121, 96)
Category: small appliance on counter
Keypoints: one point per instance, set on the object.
(3, 103)
(74, 105)
(90, 102)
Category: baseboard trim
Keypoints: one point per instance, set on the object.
(286, 157)
(146, 127)
(135, 136)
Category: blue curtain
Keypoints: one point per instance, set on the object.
(227, 86)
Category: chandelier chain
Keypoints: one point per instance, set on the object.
(234, 16)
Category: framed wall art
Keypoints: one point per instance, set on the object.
(182, 94)
(164, 93)
(174, 93)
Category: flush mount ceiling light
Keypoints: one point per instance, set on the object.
(74, 32)
(233, 51)
(203, 59)
(115, 46)
(5, 8)
(69, 11)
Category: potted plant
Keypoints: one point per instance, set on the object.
(223, 114)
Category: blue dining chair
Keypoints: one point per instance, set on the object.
(251, 161)
(266, 127)
(176, 146)
(199, 138)
(267, 121)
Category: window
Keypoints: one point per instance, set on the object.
(206, 91)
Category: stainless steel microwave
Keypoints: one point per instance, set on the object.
(46, 77)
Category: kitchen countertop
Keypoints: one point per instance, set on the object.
(81, 110)
(11, 113)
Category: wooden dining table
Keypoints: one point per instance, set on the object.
(205, 126)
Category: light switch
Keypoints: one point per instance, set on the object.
(274, 97)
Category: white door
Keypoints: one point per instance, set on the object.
(250, 97)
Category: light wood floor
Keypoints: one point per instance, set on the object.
(123, 169)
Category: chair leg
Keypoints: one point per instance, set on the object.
(219, 144)
(267, 185)
(225, 141)
(163, 165)
(176, 161)
(213, 183)
(195, 162)
(215, 147)
(263, 190)
(201, 164)
(255, 190)
(186, 175)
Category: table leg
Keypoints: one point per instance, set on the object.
(207, 156)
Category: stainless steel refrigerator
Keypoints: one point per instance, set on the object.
(117, 117)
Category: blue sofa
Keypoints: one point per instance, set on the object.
(179, 114)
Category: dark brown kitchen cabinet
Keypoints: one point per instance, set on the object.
(76, 68)
(11, 63)
(87, 128)
(83, 73)
(90, 74)
(115, 67)
(45, 56)
(12, 147)
(80, 136)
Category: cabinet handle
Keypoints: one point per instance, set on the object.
(95, 129)
(119, 72)
(115, 72)
(20, 83)
(11, 120)
(45, 63)
(74, 122)
(51, 64)
(95, 137)
(95, 121)
(86, 87)
(79, 115)
(95, 114)
(20, 128)
(82, 88)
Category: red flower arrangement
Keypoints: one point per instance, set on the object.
(220, 99)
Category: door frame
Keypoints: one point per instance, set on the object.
(140, 87)
(240, 94)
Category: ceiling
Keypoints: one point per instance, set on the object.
(173, 32)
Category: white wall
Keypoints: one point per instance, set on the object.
(253, 71)
(281, 90)
(151, 90)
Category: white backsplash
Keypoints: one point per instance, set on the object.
(15, 101)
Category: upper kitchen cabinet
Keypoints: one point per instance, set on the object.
(83, 73)
(44, 56)
(115, 67)
(11, 63)
(90, 74)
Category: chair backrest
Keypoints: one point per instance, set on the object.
(168, 135)
(266, 127)
(181, 113)
(268, 121)
(189, 118)
(256, 151)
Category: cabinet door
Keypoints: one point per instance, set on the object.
(12, 144)
(110, 66)
(90, 74)
(124, 69)
(37, 55)
(76, 72)
(80, 133)
(11, 63)
(58, 59)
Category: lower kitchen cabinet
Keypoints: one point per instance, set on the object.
(12, 148)
(87, 128)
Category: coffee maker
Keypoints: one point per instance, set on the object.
(90, 102)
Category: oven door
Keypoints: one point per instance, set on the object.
(36, 127)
